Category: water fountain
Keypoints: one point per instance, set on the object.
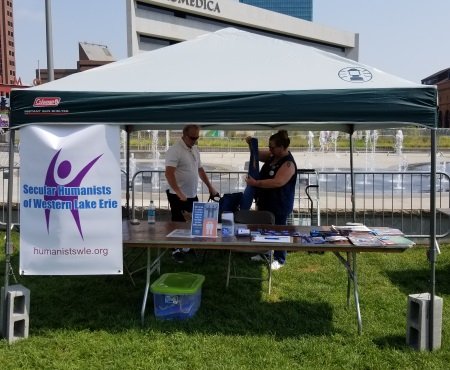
(155, 158)
(334, 138)
(371, 138)
(241, 184)
(167, 140)
(323, 141)
(367, 142)
(123, 154)
(364, 178)
(402, 163)
(374, 149)
(154, 148)
(310, 141)
(442, 167)
(123, 143)
(133, 170)
(310, 149)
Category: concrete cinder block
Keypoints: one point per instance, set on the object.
(417, 331)
(15, 314)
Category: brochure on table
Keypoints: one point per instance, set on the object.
(204, 219)
(272, 239)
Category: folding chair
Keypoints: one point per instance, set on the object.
(250, 217)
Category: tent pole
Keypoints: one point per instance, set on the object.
(8, 242)
(127, 175)
(432, 250)
(352, 177)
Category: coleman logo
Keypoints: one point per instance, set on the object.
(46, 102)
(210, 5)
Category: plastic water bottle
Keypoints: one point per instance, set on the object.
(227, 224)
(151, 213)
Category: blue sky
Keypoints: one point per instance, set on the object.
(408, 38)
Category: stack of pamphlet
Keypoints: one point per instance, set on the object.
(350, 228)
(362, 236)
(395, 240)
(365, 240)
(382, 231)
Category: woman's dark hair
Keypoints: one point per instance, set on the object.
(281, 138)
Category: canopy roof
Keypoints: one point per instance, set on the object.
(231, 79)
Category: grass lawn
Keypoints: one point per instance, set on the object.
(93, 322)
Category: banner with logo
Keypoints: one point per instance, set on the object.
(70, 200)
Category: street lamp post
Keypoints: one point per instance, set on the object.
(48, 27)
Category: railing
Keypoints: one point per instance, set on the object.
(144, 177)
(387, 198)
(384, 198)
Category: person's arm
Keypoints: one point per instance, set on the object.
(263, 155)
(171, 179)
(282, 177)
(204, 177)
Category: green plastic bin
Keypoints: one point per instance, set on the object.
(177, 295)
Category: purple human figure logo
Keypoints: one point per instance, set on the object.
(64, 169)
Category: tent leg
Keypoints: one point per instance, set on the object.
(8, 242)
(127, 164)
(352, 178)
(432, 249)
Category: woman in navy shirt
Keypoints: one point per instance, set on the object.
(275, 189)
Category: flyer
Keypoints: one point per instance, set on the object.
(204, 219)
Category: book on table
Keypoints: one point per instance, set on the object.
(365, 240)
(272, 239)
(395, 240)
(336, 238)
(350, 228)
(382, 231)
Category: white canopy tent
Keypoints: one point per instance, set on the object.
(232, 79)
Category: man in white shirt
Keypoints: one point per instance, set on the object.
(183, 169)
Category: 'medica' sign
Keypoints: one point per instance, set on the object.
(210, 5)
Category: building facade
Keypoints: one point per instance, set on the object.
(302, 9)
(442, 80)
(8, 78)
(8, 60)
(90, 56)
(152, 24)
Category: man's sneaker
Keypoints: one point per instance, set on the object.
(257, 258)
(276, 265)
(178, 256)
(261, 257)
